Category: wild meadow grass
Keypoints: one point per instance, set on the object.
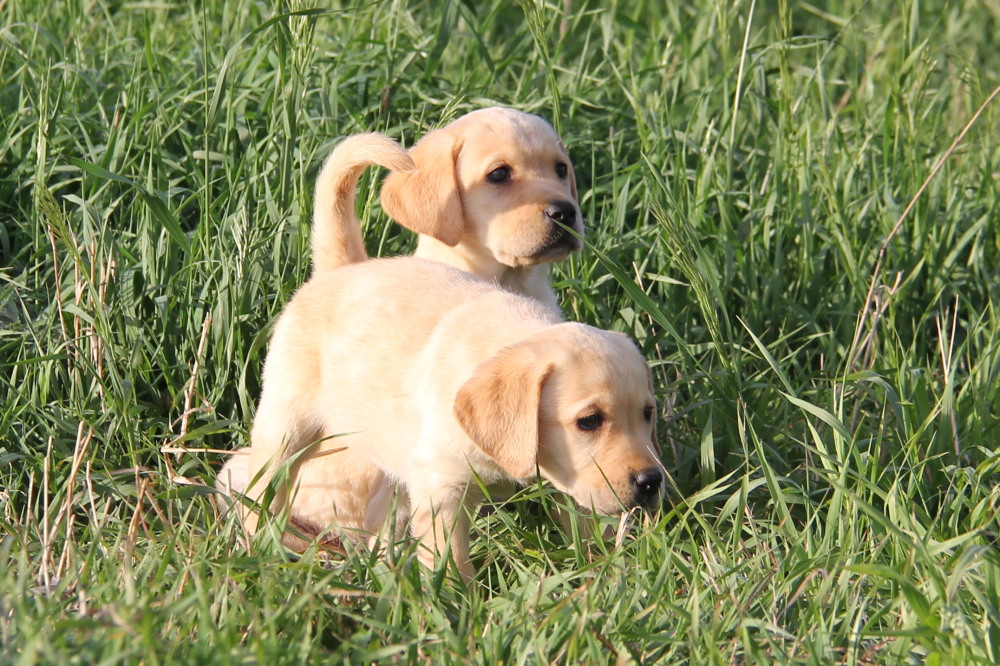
(777, 208)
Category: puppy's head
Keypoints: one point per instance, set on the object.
(574, 403)
(497, 182)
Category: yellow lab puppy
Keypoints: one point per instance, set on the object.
(489, 193)
(435, 377)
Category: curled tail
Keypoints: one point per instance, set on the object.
(336, 231)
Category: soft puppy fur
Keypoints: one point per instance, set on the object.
(376, 353)
(336, 231)
(490, 193)
(427, 378)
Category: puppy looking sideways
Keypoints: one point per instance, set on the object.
(489, 193)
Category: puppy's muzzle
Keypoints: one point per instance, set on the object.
(563, 212)
(560, 214)
(646, 486)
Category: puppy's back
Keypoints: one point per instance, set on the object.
(373, 319)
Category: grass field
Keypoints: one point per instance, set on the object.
(793, 207)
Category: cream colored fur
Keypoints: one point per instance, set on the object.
(336, 231)
(407, 375)
(499, 231)
(430, 376)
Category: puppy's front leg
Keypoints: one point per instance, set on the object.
(439, 519)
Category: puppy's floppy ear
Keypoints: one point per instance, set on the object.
(427, 200)
(498, 407)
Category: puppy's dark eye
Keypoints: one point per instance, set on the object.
(562, 169)
(499, 175)
(647, 413)
(590, 422)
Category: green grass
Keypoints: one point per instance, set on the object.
(831, 414)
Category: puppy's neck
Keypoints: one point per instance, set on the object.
(532, 281)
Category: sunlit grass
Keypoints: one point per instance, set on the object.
(830, 427)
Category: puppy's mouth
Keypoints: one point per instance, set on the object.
(645, 491)
(559, 243)
(649, 503)
(617, 506)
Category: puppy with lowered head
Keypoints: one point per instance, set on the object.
(490, 193)
(436, 377)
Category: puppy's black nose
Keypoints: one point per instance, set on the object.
(561, 211)
(647, 484)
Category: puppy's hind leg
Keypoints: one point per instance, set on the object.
(234, 477)
(279, 434)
